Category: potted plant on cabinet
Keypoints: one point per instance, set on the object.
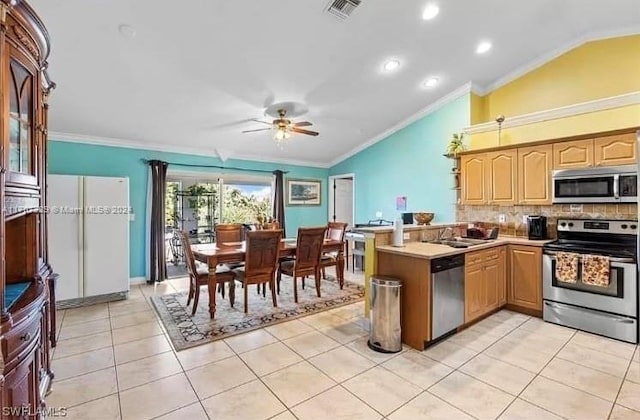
(456, 145)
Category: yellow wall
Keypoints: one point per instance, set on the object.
(598, 69)
(595, 122)
(595, 70)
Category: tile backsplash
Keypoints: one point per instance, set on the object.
(514, 224)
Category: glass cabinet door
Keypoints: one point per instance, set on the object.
(20, 118)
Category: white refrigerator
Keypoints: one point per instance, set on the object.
(89, 237)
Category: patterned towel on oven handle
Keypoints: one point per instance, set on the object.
(567, 267)
(596, 270)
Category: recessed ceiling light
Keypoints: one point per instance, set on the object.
(391, 65)
(430, 12)
(431, 82)
(483, 47)
(127, 31)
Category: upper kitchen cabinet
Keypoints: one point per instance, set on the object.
(473, 169)
(573, 154)
(615, 150)
(534, 174)
(502, 171)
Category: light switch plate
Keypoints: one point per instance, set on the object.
(406, 235)
(525, 220)
(502, 218)
(378, 215)
(576, 208)
(132, 217)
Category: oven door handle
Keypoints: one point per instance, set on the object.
(552, 255)
(616, 187)
(616, 319)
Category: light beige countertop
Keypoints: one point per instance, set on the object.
(430, 251)
(387, 229)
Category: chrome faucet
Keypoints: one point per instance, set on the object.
(443, 233)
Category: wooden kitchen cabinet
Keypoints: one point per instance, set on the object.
(615, 150)
(502, 273)
(501, 177)
(474, 186)
(483, 282)
(534, 175)
(524, 289)
(474, 290)
(573, 154)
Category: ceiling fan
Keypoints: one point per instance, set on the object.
(284, 127)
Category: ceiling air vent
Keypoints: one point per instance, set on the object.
(342, 9)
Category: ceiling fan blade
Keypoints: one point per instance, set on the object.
(302, 124)
(259, 129)
(301, 131)
(261, 122)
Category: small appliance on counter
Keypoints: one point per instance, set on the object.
(407, 218)
(537, 227)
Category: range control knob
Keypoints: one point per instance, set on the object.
(624, 226)
(563, 224)
(634, 226)
(570, 224)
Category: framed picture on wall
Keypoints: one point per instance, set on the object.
(303, 192)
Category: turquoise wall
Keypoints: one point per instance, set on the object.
(85, 159)
(409, 163)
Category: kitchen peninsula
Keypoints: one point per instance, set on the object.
(498, 273)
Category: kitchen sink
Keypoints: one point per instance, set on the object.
(460, 242)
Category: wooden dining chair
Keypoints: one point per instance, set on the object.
(261, 262)
(335, 232)
(200, 276)
(275, 225)
(307, 261)
(231, 232)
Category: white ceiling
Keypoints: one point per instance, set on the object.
(198, 69)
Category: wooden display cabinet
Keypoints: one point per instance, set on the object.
(27, 302)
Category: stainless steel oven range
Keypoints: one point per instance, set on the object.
(609, 308)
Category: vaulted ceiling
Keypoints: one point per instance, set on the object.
(196, 71)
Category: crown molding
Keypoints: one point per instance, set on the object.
(563, 49)
(434, 106)
(632, 98)
(131, 144)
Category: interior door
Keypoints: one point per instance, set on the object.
(106, 235)
(65, 233)
(343, 200)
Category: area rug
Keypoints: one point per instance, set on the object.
(187, 331)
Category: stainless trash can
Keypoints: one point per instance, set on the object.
(385, 331)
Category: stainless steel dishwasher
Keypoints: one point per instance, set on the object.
(447, 301)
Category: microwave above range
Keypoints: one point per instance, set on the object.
(613, 184)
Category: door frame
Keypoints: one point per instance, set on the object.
(331, 196)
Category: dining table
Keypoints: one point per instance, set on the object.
(214, 254)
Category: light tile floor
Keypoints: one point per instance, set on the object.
(114, 361)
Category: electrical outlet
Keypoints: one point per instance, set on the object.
(576, 208)
(502, 218)
(406, 235)
(378, 214)
(525, 220)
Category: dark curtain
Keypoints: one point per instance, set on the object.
(158, 268)
(278, 200)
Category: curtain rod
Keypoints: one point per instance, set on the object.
(190, 165)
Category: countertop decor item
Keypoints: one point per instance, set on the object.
(423, 218)
(456, 144)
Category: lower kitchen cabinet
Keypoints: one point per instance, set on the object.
(484, 282)
(474, 291)
(525, 278)
(502, 273)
